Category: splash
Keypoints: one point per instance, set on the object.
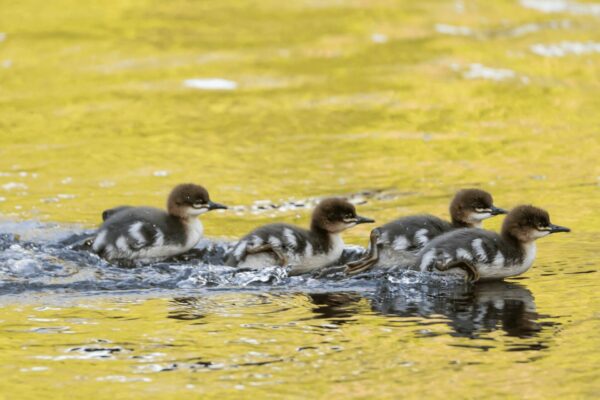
(38, 256)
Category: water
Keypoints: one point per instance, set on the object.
(271, 106)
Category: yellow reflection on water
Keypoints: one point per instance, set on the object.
(241, 345)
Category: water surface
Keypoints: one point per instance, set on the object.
(273, 105)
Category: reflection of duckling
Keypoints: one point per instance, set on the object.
(471, 309)
(397, 242)
(338, 305)
(488, 255)
(305, 250)
(145, 233)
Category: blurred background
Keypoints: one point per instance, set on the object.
(274, 104)
(104, 103)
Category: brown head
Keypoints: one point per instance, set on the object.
(335, 215)
(189, 200)
(471, 206)
(527, 223)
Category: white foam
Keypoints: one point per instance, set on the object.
(25, 267)
(453, 30)
(2, 36)
(161, 173)
(379, 38)
(210, 84)
(479, 71)
(122, 379)
(106, 184)
(14, 185)
(34, 369)
(565, 48)
(562, 6)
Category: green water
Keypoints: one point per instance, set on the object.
(332, 98)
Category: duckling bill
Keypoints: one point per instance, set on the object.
(487, 255)
(399, 241)
(146, 233)
(304, 250)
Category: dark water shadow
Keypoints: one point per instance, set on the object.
(472, 311)
(337, 307)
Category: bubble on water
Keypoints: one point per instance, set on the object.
(562, 6)
(565, 48)
(210, 84)
(52, 329)
(122, 379)
(152, 368)
(67, 180)
(2, 199)
(479, 71)
(34, 369)
(26, 267)
(379, 38)
(453, 30)
(106, 184)
(14, 185)
(270, 275)
(2, 36)
(161, 173)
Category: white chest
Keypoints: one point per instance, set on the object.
(194, 229)
(309, 262)
(502, 268)
(529, 257)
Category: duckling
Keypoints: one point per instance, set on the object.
(487, 255)
(397, 242)
(305, 250)
(145, 233)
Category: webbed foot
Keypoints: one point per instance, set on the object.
(471, 270)
(266, 248)
(368, 261)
